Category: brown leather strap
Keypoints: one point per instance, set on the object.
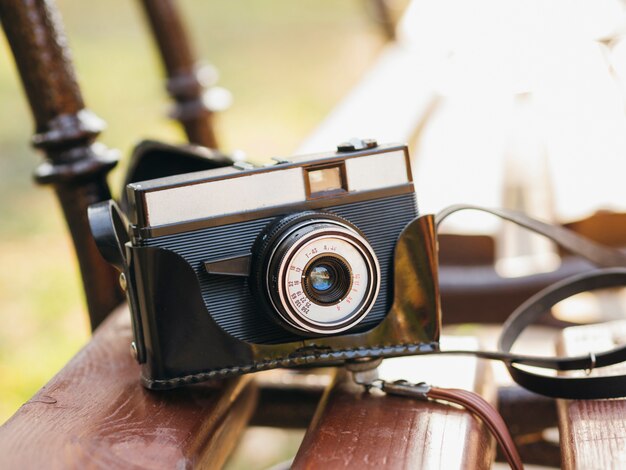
(469, 400)
(489, 415)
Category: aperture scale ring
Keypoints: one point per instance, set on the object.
(290, 307)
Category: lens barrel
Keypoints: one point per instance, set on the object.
(317, 272)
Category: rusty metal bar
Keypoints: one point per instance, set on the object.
(76, 166)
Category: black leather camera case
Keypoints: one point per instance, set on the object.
(192, 326)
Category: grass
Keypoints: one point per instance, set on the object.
(287, 64)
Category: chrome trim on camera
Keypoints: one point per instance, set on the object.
(377, 171)
(215, 194)
(313, 204)
(222, 197)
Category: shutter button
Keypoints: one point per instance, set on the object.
(357, 144)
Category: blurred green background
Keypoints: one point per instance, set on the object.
(287, 64)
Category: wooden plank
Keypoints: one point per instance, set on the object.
(95, 414)
(354, 429)
(608, 228)
(288, 398)
(527, 416)
(593, 432)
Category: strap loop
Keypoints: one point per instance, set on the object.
(592, 360)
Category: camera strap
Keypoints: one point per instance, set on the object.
(471, 401)
(366, 374)
(612, 273)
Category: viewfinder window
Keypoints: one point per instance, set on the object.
(326, 180)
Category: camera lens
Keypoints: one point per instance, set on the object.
(317, 272)
(327, 280)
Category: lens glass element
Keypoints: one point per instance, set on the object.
(327, 279)
(320, 278)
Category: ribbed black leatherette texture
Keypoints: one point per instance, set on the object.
(228, 298)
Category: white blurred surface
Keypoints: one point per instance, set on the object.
(456, 74)
(479, 55)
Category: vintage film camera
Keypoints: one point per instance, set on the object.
(313, 260)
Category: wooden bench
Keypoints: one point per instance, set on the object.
(593, 432)
(354, 429)
(95, 414)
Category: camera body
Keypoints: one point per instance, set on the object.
(313, 260)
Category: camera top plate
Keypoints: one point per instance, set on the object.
(220, 196)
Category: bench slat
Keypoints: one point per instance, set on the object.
(593, 432)
(95, 414)
(354, 429)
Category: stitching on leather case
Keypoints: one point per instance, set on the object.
(284, 362)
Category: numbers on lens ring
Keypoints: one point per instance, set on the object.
(330, 248)
(294, 283)
(295, 268)
(303, 305)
